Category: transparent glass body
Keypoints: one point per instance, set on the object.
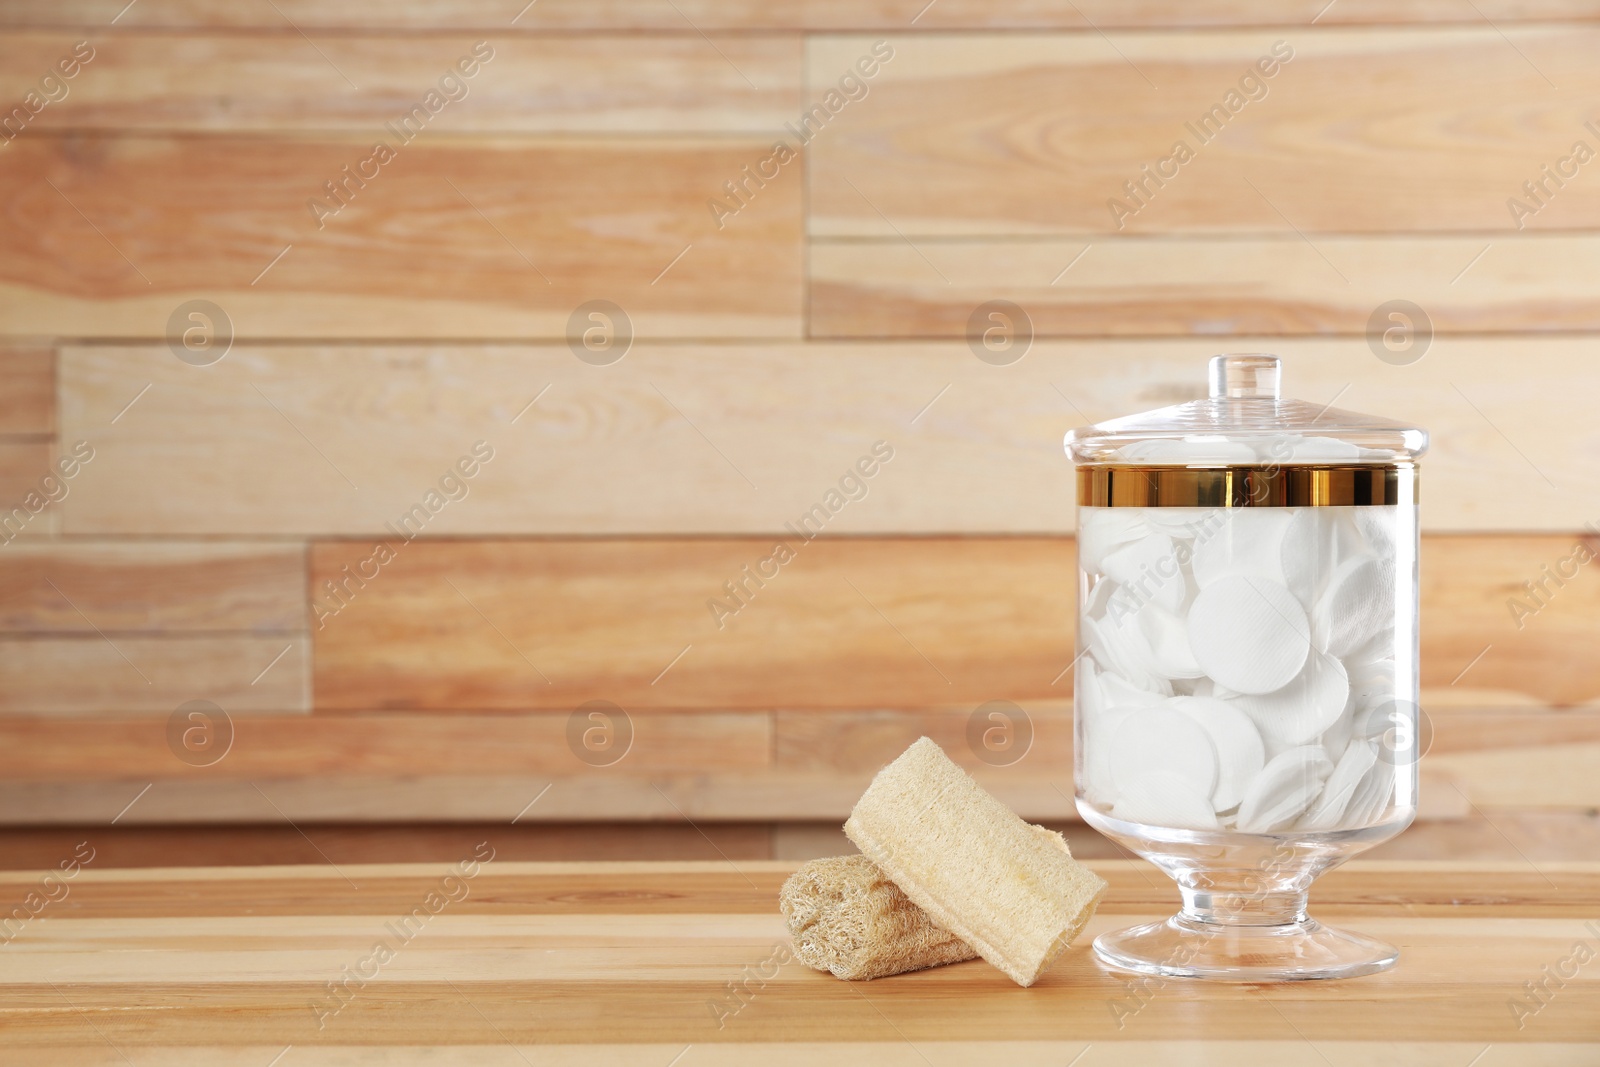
(1246, 692)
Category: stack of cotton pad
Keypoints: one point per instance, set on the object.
(1238, 660)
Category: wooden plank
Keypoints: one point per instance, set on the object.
(1182, 287)
(136, 673)
(237, 846)
(883, 1051)
(726, 16)
(1462, 890)
(186, 960)
(28, 401)
(1531, 838)
(1361, 132)
(326, 746)
(131, 587)
(26, 507)
(722, 766)
(976, 446)
(609, 795)
(442, 240)
(554, 624)
(159, 82)
(1480, 649)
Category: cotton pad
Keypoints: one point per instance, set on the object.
(1356, 603)
(1103, 530)
(1324, 450)
(1300, 711)
(1240, 753)
(1207, 449)
(1371, 798)
(1249, 633)
(1148, 569)
(1359, 757)
(1120, 646)
(1250, 542)
(1161, 740)
(1314, 543)
(1161, 798)
(1168, 638)
(1284, 789)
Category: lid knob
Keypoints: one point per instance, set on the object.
(1245, 376)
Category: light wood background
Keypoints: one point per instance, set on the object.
(189, 558)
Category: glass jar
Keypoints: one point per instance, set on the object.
(1246, 686)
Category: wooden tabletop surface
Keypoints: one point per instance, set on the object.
(638, 963)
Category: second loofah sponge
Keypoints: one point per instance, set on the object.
(849, 919)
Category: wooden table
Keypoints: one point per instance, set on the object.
(641, 963)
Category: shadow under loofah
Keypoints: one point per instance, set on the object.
(849, 919)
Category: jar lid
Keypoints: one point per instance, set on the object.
(1246, 446)
(1244, 422)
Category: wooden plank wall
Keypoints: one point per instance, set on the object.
(411, 352)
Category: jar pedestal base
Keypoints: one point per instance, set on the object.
(1184, 947)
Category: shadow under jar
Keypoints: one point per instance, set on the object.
(1246, 690)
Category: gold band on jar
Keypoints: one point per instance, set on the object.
(1245, 487)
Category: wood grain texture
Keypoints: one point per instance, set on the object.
(156, 82)
(902, 624)
(725, 766)
(1534, 837)
(132, 587)
(1150, 286)
(241, 846)
(636, 952)
(28, 400)
(1000, 136)
(96, 674)
(1533, 644)
(614, 795)
(684, 16)
(395, 745)
(444, 240)
(712, 439)
(554, 624)
(25, 510)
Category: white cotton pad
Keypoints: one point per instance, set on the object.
(1324, 450)
(1249, 634)
(1372, 797)
(1327, 810)
(1372, 695)
(1196, 449)
(1160, 740)
(1356, 605)
(1249, 541)
(1299, 712)
(1097, 721)
(1314, 543)
(1168, 636)
(1380, 526)
(1121, 693)
(1148, 569)
(1119, 645)
(1378, 648)
(1102, 530)
(1179, 523)
(1283, 789)
(1161, 798)
(1098, 596)
(1240, 753)
(1278, 448)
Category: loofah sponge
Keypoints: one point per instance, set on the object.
(1010, 890)
(849, 919)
